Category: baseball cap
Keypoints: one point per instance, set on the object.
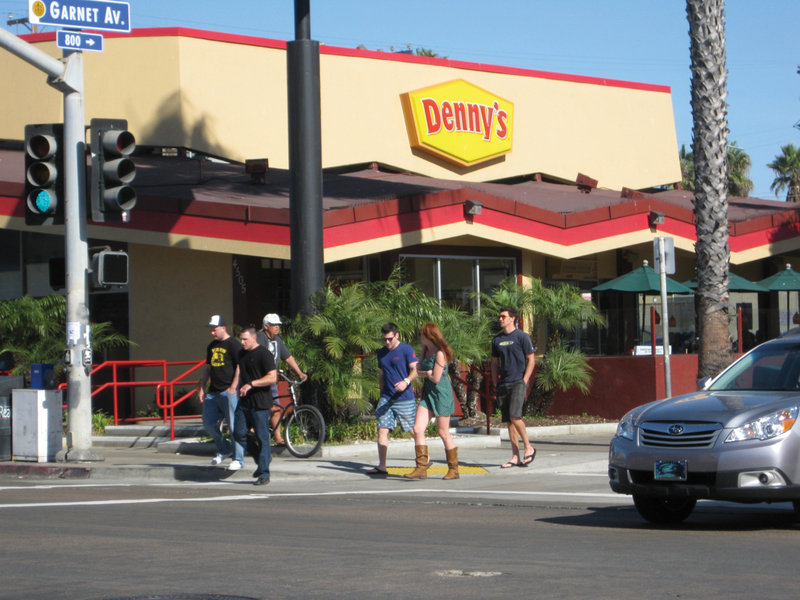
(272, 319)
(216, 321)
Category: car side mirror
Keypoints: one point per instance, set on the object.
(703, 384)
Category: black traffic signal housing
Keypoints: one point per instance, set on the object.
(109, 268)
(44, 174)
(112, 171)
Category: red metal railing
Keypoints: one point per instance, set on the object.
(166, 400)
(165, 394)
(164, 387)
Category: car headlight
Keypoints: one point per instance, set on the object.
(626, 429)
(766, 427)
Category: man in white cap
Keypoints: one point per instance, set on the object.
(269, 338)
(220, 400)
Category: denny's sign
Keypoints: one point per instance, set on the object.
(459, 122)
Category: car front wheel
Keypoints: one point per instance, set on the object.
(664, 510)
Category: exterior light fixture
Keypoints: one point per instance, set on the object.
(471, 207)
(655, 218)
(257, 168)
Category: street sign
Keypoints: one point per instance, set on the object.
(77, 40)
(668, 258)
(102, 15)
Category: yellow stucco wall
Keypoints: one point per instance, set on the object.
(228, 98)
(176, 292)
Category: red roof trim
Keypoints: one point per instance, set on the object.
(373, 54)
(375, 221)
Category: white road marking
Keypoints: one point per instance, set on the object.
(577, 496)
(52, 486)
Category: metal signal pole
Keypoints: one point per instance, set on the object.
(305, 163)
(66, 75)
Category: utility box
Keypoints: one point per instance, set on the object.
(7, 383)
(36, 429)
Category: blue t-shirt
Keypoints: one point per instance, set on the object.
(512, 349)
(394, 365)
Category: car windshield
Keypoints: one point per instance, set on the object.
(768, 367)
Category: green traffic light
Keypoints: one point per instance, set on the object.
(42, 201)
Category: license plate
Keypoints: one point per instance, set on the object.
(670, 470)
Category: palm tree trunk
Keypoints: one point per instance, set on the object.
(707, 33)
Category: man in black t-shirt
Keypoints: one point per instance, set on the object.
(220, 400)
(512, 367)
(256, 372)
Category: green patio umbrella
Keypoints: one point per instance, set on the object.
(642, 280)
(786, 280)
(735, 284)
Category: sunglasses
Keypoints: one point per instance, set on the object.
(388, 339)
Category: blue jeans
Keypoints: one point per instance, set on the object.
(221, 405)
(258, 419)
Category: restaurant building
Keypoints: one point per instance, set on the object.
(468, 173)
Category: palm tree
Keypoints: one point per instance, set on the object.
(427, 52)
(787, 173)
(739, 182)
(687, 168)
(707, 48)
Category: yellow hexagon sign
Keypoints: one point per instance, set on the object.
(459, 122)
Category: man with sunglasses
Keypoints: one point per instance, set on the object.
(512, 367)
(397, 364)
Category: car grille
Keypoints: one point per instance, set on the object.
(678, 434)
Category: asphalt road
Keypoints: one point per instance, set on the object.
(545, 532)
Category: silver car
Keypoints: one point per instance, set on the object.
(734, 440)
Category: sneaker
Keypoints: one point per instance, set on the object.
(235, 465)
(218, 459)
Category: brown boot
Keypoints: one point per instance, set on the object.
(421, 472)
(452, 464)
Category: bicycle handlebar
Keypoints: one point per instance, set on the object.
(291, 381)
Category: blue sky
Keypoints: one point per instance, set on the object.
(635, 40)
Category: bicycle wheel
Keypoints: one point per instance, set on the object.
(305, 431)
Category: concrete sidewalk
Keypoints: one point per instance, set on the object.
(188, 460)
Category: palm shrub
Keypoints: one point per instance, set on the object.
(343, 326)
(559, 366)
(469, 336)
(33, 330)
(336, 344)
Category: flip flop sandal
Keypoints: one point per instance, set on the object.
(528, 459)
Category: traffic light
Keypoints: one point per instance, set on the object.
(109, 268)
(111, 194)
(44, 174)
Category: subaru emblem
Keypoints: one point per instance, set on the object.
(675, 429)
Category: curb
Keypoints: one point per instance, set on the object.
(173, 471)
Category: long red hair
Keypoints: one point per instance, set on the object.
(434, 334)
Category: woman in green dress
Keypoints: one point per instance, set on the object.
(436, 400)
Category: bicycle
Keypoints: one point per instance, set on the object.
(303, 424)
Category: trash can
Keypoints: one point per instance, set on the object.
(5, 427)
(42, 376)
